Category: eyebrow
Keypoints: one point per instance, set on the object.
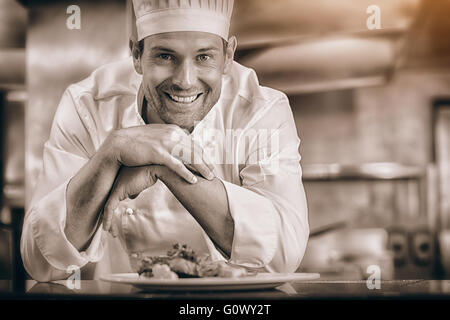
(159, 48)
(207, 49)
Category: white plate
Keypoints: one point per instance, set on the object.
(259, 281)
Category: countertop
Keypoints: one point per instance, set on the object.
(317, 289)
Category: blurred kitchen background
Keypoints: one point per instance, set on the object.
(372, 107)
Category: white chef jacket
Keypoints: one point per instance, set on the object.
(266, 197)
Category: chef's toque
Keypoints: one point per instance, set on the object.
(160, 16)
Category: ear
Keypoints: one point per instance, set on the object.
(229, 57)
(136, 53)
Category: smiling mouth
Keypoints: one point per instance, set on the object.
(183, 99)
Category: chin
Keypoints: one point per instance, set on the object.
(185, 120)
(183, 123)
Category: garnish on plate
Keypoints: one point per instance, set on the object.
(182, 262)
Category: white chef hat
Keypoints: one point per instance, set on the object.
(160, 16)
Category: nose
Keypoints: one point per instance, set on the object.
(184, 76)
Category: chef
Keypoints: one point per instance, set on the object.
(176, 144)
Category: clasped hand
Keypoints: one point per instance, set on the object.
(142, 153)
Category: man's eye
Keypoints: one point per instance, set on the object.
(203, 58)
(166, 57)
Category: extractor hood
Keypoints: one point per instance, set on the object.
(303, 46)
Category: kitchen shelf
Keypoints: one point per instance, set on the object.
(14, 195)
(17, 95)
(12, 69)
(366, 171)
(259, 41)
(324, 64)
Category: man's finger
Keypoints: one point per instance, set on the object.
(194, 169)
(207, 161)
(179, 168)
(111, 206)
(201, 168)
(206, 169)
(114, 230)
(192, 155)
(108, 215)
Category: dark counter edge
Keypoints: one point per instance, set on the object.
(5, 296)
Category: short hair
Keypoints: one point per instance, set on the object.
(141, 46)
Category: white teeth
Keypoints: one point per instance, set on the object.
(183, 99)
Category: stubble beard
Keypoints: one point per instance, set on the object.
(185, 121)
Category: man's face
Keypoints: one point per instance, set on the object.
(182, 75)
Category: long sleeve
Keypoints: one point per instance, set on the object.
(45, 250)
(268, 205)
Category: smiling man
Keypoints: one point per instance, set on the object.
(178, 143)
(182, 74)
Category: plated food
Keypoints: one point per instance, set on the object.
(182, 262)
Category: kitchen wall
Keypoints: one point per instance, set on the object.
(389, 123)
(58, 56)
(13, 19)
(381, 123)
